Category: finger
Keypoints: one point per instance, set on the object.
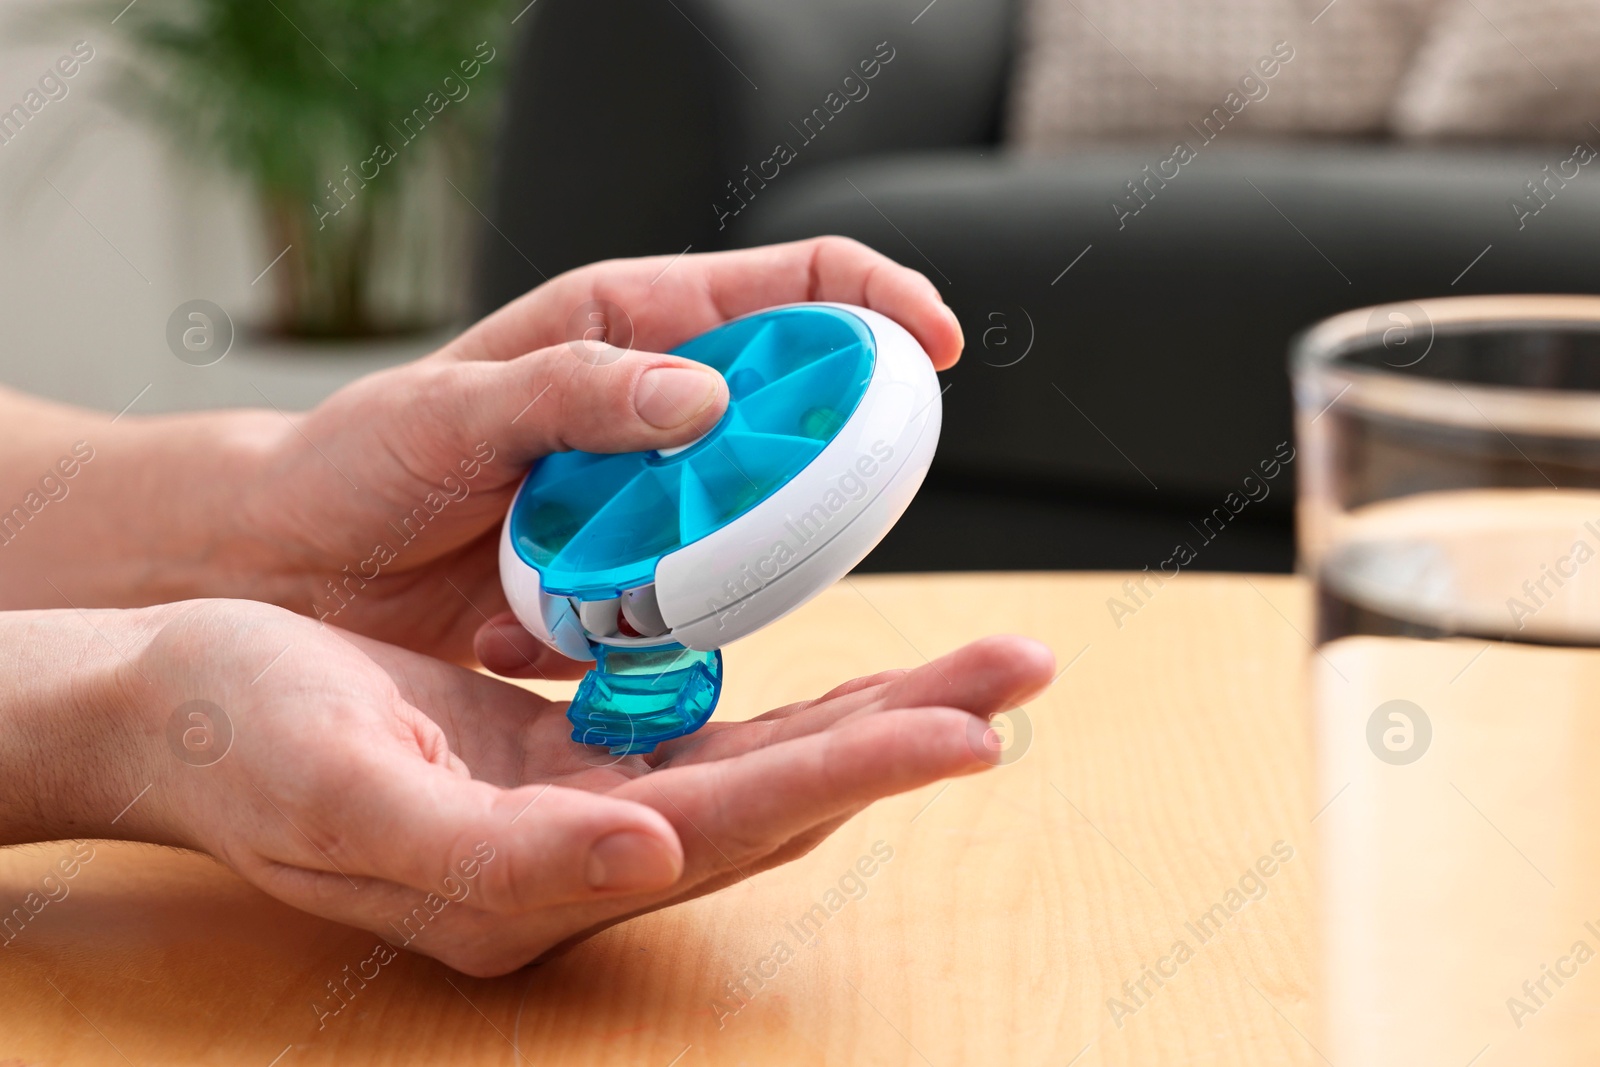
(788, 852)
(795, 848)
(721, 740)
(823, 268)
(731, 812)
(551, 400)
(985, 678)
(503, 646)
(662, 301)
(852, 273)
(417, 824)
(867, 686)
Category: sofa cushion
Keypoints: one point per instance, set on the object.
(1492, 68)
(1098, 69)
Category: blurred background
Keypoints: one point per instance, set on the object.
(1133, 206)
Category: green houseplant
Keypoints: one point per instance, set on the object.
(357, 124)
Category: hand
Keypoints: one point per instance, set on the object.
(381, 511)
(372, 785)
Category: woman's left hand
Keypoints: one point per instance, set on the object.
(379, 511)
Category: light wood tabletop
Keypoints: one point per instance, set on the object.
(1030, 915)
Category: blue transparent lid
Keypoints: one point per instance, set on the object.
(636, 698)
(594, 525)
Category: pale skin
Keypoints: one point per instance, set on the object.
(189, 560)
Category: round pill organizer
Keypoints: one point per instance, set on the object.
(648, 563)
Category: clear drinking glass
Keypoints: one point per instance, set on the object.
(1450, 517)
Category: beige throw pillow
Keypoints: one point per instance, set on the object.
(1506, 69)
(1089, 70)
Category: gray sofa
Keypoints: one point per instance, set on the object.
(1100, 410)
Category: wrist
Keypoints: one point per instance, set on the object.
(78, 736)
(183, 526)
(138, 511)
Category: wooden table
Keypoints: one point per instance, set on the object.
(1167, 761)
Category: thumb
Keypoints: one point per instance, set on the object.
(417, 823)
(584, 396)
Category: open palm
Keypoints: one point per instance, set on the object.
(450, 810)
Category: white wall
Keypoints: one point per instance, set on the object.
(83, 314)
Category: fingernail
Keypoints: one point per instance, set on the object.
(629, 860)
(668, 397)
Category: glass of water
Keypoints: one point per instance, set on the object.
(1449, 515)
